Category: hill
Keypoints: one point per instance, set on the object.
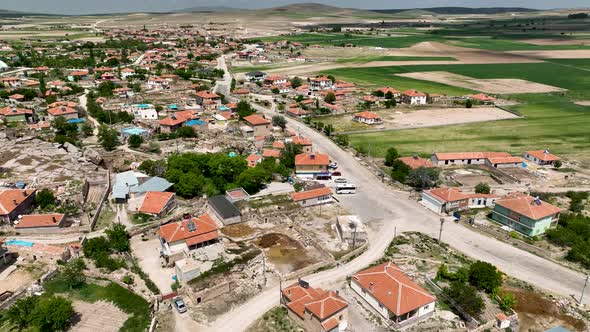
(13, 13)
(458, 10)
(317, 9)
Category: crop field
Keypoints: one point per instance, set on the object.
(361, 59)
(549, 120)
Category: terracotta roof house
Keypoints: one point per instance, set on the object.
(205, 98)
(541, 157)
(503, 162)
(62, 111)
(180, 236)
(526, 214)
(253, 159)
(313, 197)
(40, 223)
(305, 143)
(271, 153)
(13, 114)
(315, 309)
(320, 83)
(416, 162)
(16, 98)
(171, 123)
(297, 112)
(310, 164)
(394, 92)
(413, 97)
(482, 98)
(367, 117)
(444, 200)
(260, 125)
(15, 202)
(395, 296)
(464, 158)
(157, 203)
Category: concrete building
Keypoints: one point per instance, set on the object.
(320, 83)
(465, 158)
(13, 114)
(444, 200)
(315, 309)
(394, 296)
(541, 157)
(157, 204)
(351, 229)
(503, 162)
(224, 210)
(525, 214)
(62, 111)
(413, 97)
(367, 117)
(15, 202)
(40, 223)
(313, 197)
(182, 236)
(260, 125)
(311, 164)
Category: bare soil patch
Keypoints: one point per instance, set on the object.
(549, 41)
(496, 86)
(98, 316)
(554, 54)
(237, 230)
(284, 252)
(583, 103)
(446, 116)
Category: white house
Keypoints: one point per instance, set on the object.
(482, 200)
(126, 72)
(413, 97)
(444, 200)
(367, 117)
(393, 295)
(313, 197)
(464, 158)
(320, 83)
(144, 111)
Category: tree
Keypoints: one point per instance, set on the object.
(135, 141)
(507, 301)
(390, 156)
(105, 88)
(87, 130)
(118, 237)
(189, 185)
(423, 177)
(71, 272)
(45, 199)
(378, 93)
(330, 97)
(153, 167)
(279, 121)
(328, 129)
(185, 131)
(485, 276)
(289, 153)
(469, 103)
(52, 313)
(341, 140)
(253, 179)
(466, 297)
(244, 109)
(389, 96)
(20, 313)
(96, 247)
(107, 137)
(400, 171)
(482, 188)
(557, 164)
(296, 82)
(233, 84)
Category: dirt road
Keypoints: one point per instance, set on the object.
(389, 211)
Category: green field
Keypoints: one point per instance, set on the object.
(549, 120)
(362, 59)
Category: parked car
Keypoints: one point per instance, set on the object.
(336, 174)
(333, 165)
(180, 305)
(340, 180)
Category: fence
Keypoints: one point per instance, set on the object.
(94, 218)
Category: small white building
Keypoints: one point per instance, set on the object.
(313, 197)
(321, 83)
(413, 97)
(396, 297)
(350, 229)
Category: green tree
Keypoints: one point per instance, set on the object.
(390, 156)
(71, 272)
(45, 199)
(378, 93)
(557, 164)
(328, 129)
(153, 167)
(330, 98)
(108, 137)
(485, 276)
(466, 297)
(507, 301)
(96, 246)
(423, 177)
(118, 237)
(482, 188)
(20, 313)
(468, 103)
(341, 140)
(185, 131)
(135, 141)
(296, 82)
(253, 179)
(400, 171)
(105, 89)
(279, 121)
(52, 313)
(244, 109)
(389, 96)
(189, 184)
(233, 84)
(87, 130)
(289, 153)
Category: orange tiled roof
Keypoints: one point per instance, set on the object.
(177, 118)
(482, 97)
(268, 153)
(505, 160)
(155, 201)
(61, 110)
(40, 220)
(413, 93)
(541, 155)
(469, 155)
(12, 198)
(256, 120)
(319, 302)
(368, 115)
(392, 288)
(207, 95)
(525, 205)
(177, 231)
(14, 111)
(447, 194)
(309, 194)
(311, 159)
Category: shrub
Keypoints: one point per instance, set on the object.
(466, 297)
(485, 276)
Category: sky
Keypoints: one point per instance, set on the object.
(117, 6)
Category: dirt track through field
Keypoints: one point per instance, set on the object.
(499, 86)
(554, 54)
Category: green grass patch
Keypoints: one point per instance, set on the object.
(134, 305)
(393, 58)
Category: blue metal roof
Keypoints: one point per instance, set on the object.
(558, 329)
(194, 122)
(79, 120)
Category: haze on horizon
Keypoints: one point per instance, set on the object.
(74, 7)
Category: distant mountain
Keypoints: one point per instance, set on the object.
(318, 9)
(458, 10)
(205, 9)
(14, 13)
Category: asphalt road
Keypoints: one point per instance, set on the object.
(389, 211)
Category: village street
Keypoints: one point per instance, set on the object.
(389, 211)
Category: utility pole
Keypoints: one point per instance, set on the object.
(394, 232)
(442, 222)
(354, 238)
(584, 289)
(264, 269)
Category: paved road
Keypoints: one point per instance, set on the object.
(391, 211)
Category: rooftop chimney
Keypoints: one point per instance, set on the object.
(312, 156)
(24, 193)
(415, 157)
(53, 219)
(371, 284)
(14, 201)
